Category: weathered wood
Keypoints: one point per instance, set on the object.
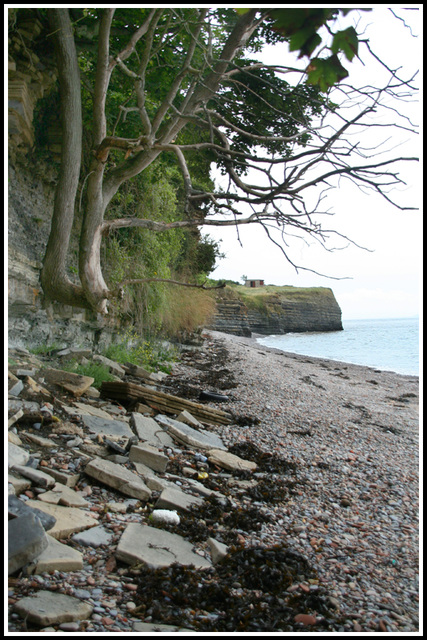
(164, 401)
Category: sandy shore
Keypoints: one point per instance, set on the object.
(353, 433)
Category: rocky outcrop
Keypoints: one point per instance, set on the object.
(280, 310)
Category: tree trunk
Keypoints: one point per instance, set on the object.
(55, 282)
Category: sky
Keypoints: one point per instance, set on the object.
(384, 282)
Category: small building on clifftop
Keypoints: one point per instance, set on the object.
(254, 283)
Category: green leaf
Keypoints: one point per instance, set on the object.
(325, 73)
(346, 41)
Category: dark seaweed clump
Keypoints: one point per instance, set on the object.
(267, 462)
(217, 519)
(244, 592)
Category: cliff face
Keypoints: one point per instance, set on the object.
(277, 310)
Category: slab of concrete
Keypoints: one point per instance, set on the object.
(193, 437)
(149, 456)
(46, 608)
(17, 508)
(177, 499)
(106, 427)
(93, 537)
(118, 477)
(157, 548)
(56, 557)
(68, 519)
(148, 430)
(26, 540)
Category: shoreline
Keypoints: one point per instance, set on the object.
(352, 433)
(256, 336)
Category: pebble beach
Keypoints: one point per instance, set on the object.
(347, 439)
(353, 433)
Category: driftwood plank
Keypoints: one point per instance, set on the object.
(164, 401)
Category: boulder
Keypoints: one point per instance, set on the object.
(26, 540)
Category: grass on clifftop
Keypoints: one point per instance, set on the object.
(259, 297)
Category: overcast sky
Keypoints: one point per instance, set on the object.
(384, 282)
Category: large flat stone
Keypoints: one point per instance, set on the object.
(19, 484)
(228, 460)
(182, 432)
(61, 494)
(46, 608)
(72, 382)
(37, 477)
(68, 519)
(177, 499)
(113, 367)
(149, 456)
(107, 427)
(26, 540)
(16, 455)
(152, 481)
(118, 477)
(148, 430)
(17, 508)
(56, 557)
(156, 547)
(93, 537)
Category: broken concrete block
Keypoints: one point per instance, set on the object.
(26, 540)
(119, 478)
(46, 608)
(150, 456)
(156, 547)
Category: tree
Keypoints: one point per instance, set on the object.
(182, 84)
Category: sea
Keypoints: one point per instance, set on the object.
(390, 344)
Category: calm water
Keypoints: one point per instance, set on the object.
(390, 344)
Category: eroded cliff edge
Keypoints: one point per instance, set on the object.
(276, 310)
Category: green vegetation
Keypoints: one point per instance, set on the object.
(153, 355)
(260, 297)
(99, 372)
(45, 349)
